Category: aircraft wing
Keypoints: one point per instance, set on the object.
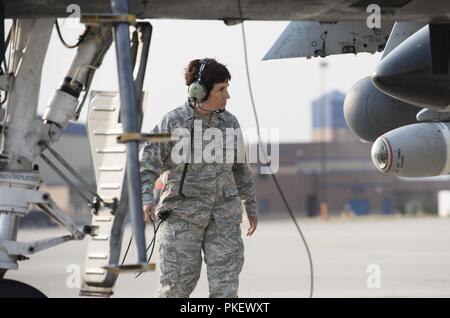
(308, 39)
(297, 10)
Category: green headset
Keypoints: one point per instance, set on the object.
(197, 91)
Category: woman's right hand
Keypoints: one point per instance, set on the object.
(149, 213)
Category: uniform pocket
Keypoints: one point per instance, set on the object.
(230, 190)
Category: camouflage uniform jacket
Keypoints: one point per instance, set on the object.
(209, 189)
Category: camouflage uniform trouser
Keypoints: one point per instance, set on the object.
(180, 251)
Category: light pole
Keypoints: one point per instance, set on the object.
(323, 206)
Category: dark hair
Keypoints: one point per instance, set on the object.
(213, 73)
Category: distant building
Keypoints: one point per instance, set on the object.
(337, 166)
(328, 122)
(350, 183)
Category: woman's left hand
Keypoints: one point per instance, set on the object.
(253, 220)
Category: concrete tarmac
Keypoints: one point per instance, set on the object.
(361, 257)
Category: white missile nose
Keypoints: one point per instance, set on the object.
(381, 154)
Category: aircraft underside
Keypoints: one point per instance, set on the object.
(297, 10)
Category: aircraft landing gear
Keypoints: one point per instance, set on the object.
(15, 289)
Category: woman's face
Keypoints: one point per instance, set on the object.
(217, 99)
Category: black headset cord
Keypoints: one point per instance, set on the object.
(186, 164)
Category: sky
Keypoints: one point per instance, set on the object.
(283, 89)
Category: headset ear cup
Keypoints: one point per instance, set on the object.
(197, 92)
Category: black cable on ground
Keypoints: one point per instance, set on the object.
(151, 245)
(260, 145)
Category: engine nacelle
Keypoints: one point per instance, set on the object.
(371, 113)
(418, 150)
(417, 71)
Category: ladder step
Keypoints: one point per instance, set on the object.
(112, 186)
(103, 219)
(95, 271)
(110, 168)
(106, 198)
(104, 108)
(100, 238)
(108, 132)
(98, 256)
(110, 150)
